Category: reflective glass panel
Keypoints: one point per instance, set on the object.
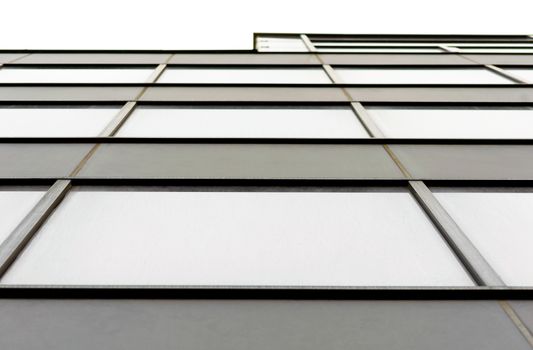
(245, 122)
(54, 121)
(169, 237)
(523, 73)
(15, 203)
(74, 75)
(453, 122)
(245, 75)
(499, 223)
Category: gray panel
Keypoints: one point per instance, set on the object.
(56, 93)
(441, 94)
(501, 59)
(234, 325)
(244, 58)
(255, 161)
(257, 94)
(395, 59)
(501, 162)
(94, 58)
(524, 309)
(8, 57)
(40, 160)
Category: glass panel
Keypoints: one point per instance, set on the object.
(74, 75)
(453, 122)
(54, 121)
(273, 44)
(499, 223)
(246, 122)
(15, 203)
(524, 73)
(419, 76)
(245, 75)
(238, 238)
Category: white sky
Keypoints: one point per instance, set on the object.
(229, 24)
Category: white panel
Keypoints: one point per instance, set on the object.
(369, 50)
(74, 75)
(495, 50)
(485, 45)
(14, 205)
(271, 44)
(512, 123)
(419, 76)
(238, 238)
(376, 44)
(54, 122)
(524, 73)
(245, 76)
(500, 225)
(243, 122)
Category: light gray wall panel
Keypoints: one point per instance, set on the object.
(482, 162)
(68, 93)
(254, 161)
(524, 309)
(94, 58)
(40, 160)
(244, 58)
(500, 58)
(9, 57)
(395, 59)
(246, 93)
(441, 94)
(234, 325)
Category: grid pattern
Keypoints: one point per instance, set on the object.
(350, 168)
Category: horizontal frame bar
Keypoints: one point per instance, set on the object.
(274, 141)
(326, 182)
(262, 292)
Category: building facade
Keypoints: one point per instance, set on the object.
(319, 191)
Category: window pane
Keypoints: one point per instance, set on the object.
(524, 73)
(499, 223)
(74, 75)
(45, 121)
(238, 238)
(419, 76)
(453, 122)
(245, 76)
(15, 203)
(247, 122)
